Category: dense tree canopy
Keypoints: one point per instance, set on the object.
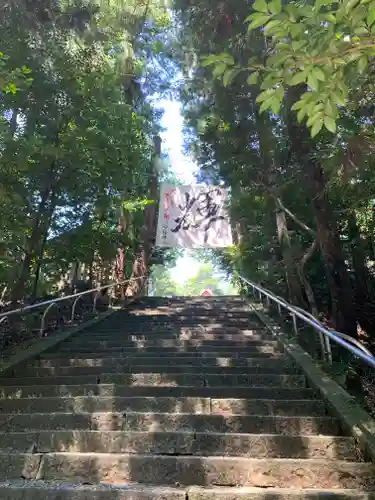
(261, 80)
(77, 180)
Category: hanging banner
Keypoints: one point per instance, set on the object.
(193, 217)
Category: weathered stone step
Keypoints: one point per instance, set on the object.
(34, 371)
(206, 334)
(265, 347)
(169, 343)
(149, 422)
(163, 379)
(37, 490)
(164, 352)
(185, 471)
(268, 424)
(279, 360)
(92, 404)
(32, 391)
(181, 443)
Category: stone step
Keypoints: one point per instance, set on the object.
(168, 343)
(206, 334)
(34, 371)
(163, 380)
(150, 422)
(111, 390)
(37, 490)
(279, 360)
(186, 471)
(181, 443)
(268, 424)
(183, 320)
(269, 347)
(244, 352)
(91, 404)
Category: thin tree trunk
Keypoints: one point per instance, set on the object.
(364, 298)
(305, 281)
(30, 247)
(292, 279)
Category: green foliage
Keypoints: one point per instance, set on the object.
(75, 135)
(303, 66)
(323, 47)
(164, 284)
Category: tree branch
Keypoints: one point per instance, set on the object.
(290, 214)
(308, 254)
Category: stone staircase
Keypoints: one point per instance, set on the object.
(172, 399)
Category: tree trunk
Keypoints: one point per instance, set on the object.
(120, 258)
(147, 237)
(31, 246)
(364, 298)
(291, 274)
(342, 298)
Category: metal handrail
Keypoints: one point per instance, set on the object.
(340, 338)
(22, 310)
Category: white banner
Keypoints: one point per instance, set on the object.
(193, 217)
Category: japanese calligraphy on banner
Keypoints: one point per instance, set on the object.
(193, 217)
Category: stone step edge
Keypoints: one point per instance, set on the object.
(208, 403)
(136, 491)
(173, 414)
(181, 443)
(198, 376)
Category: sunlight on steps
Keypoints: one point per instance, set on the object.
(196, 401)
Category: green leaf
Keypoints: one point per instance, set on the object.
(296, 30)
(337, 98)
(10, 89)
(330, 124)
(208, 60)
(229, 76)
(266, 105)
(317, 115)
(349, 5)
(298, 78)
(266, 94)
(329, 108)
(301, 114)
(219, 70)
(260, 6)
(298, 105)
(371, 14)
(362, 64)
(258, 21)
(275, 105)
(253, 78)
(275, 6)
(319, 74)
(316, 128)
(312, 81)
(298, 44)
(271, 25)
(361, 30)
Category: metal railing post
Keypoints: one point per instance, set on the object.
(295, 327)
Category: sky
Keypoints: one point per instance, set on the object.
(184, 167)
